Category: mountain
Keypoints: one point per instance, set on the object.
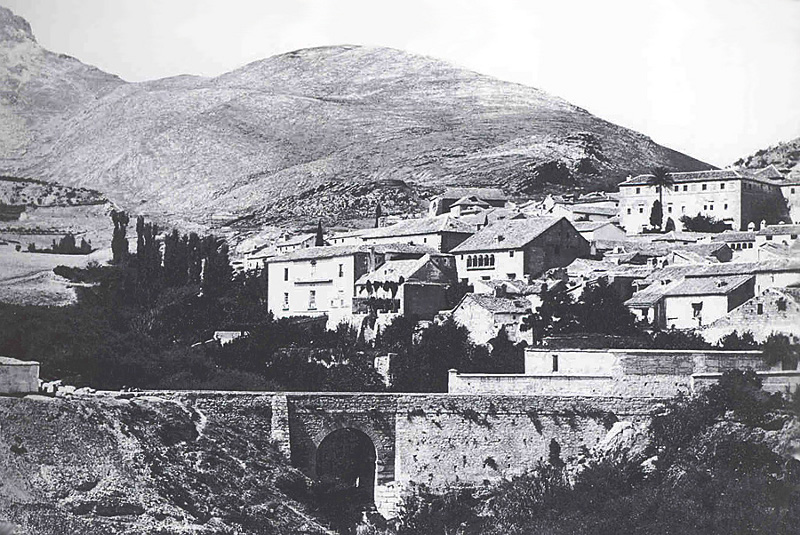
(785, 156)
(316, 133)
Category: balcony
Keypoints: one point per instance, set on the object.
(363, 305)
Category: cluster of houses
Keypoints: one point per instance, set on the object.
(508, 254)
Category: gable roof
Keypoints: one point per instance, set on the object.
(398, 271)
(426, 225)
(507, 234)
(498, 305)
(649, 296)
(590, 209)
(471, 200)
(487, 194)
(333, 251)
(707, 285)
(589, 226)
(774, 230)
(734, 236)
(767, 175)
(295, 240)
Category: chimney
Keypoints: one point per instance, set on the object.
(500, 238)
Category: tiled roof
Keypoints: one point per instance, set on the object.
(499, 305)
(295, 240)
(393, 270)
(773, 230)
(650, 295)
(332, 251)
(487, 194)
(734, 236)
(426, 225)
(596, 210)
(588, 226)
(767, 175)
(723, 269)
(471, 200)
(708, 285)
(507, 234)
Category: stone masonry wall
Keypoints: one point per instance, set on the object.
(18, 376)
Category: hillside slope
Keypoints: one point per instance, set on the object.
(785, 156)
(298, 126)
(100, 466)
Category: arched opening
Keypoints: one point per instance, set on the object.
(345, 470)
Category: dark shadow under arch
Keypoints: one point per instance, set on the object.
(345, 467)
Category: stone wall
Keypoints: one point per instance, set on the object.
(783, 382)
(431, 439)
(638, 386)
(18, 376)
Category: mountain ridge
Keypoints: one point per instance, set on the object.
(258, 141)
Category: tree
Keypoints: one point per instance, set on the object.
(734, 341)
(656, 214)
(670, 225)
(378, 214)
(601, 310)
(119, 243)
(319, 241)
(703, 223)
(779, 348)
(661, 179)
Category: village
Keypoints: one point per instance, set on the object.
(507, 254)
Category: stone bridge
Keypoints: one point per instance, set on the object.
(375, 445)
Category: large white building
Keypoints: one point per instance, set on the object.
(735, 196)
(321, 281)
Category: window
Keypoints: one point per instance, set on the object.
(555, 362)
(312, 299)
(469, 261)
(760, 308)
(511, 276)
(722, 185)
(511, 254)
(629, 211)
(286, 274)
(313, 269)
(491, 260)
(705, 187)
(705, 207)
(480, 261)
(725, 207)
(683, 209)
(769, 238)
(711, 207)
(685, 187)
(697, 309)
(793, 236)
(781, 304)
(486, 278)
(641, 210)
(341, 270)
(286, 300)
(669, 208)
(749, 245)
(792, 191)
(638, 190)
(424, 240)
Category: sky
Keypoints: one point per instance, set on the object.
(716, 79)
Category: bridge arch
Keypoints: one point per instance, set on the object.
(346, 465)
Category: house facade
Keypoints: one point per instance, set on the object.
(441, 204)
(735, 196)
(776, 310)
(519, 248)
(695, 302)
(320, 281)
(412, 287)
(783, 234)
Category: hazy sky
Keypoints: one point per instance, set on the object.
(716, 79)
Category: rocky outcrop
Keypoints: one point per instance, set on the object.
(96, 465)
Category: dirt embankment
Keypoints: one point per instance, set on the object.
(140, 466)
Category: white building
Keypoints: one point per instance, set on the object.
(735, 196)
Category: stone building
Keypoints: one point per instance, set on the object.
(415, 287)
(442, 233)
(626, 373)
(492, 196)
(783, 234)
(599, 230)
(735, 196)
(293, 243)
(18, 376)
(320, 281)
(776, 310)
(519, 248)
(742, 244)
(485, 316)
(791, 192)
